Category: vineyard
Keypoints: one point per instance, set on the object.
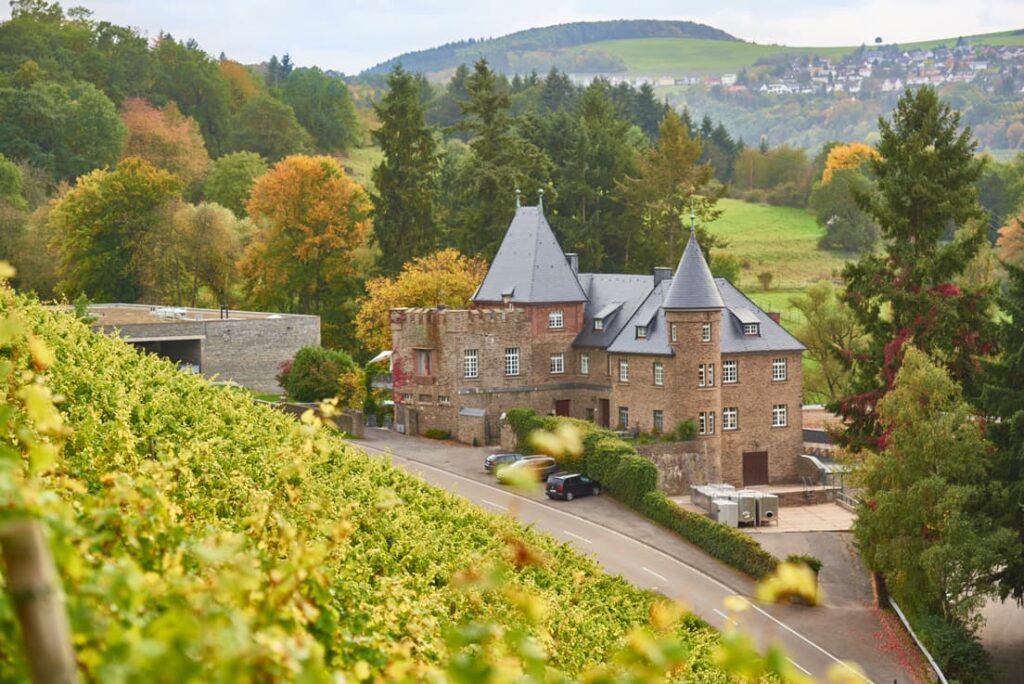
(202, 538)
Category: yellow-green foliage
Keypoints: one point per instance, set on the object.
(202, 538)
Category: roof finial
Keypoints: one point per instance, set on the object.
(517, 197)
(693, 219)
(540, 199)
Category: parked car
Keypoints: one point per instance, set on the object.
(539, 466)
(570, 486)
(497, 461)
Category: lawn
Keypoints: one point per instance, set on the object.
(359, 163)
(781, 240)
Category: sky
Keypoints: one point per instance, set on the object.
(352, 35)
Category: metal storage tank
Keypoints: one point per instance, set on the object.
(726, 512)
(747, 505)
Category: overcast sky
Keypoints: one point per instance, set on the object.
(352, 35)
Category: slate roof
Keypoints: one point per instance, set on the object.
(773, 336)
(650, 313)
(693, 286)
(530, 265)
(617, 293)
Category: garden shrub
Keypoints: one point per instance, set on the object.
(314, 373)
(437, 433)
(810, 561)
(954, 647)
(686, 430)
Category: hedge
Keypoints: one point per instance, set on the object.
(633, 480)
(954, 647)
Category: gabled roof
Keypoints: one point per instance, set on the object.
(530, 265)
(613, 297)
(651, 315)
(693, 286)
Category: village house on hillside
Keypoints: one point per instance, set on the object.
(634, 352)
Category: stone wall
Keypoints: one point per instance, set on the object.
(681, 464)
(248, 351)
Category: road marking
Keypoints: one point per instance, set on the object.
(498, 506)
(797, 666)
(662, 578)
(696, 571)
(582, 539)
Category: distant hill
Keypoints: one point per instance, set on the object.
(631, 48)
(541, 48)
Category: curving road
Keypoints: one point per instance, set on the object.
(649, 556)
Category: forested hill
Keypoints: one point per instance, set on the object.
(511, 53)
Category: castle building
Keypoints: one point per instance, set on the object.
(630, 352)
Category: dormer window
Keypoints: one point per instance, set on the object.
(598, 324)
(751, 329)
(641, 332)
(555, 319)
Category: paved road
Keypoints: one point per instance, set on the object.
(625, 543)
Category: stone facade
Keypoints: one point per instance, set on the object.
(246, 347)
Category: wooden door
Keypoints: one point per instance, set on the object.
(562, 407)
(604, 412)
(755, 468)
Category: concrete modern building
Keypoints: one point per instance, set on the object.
(245, 347)
(632, 352)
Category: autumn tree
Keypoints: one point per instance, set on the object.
(231, 178)
(668, 183)
(407, 181)
(103, 223)
(925, 176)
(445, 277)
(1011, 240)
(242, 85)
(847, 156)
(830, 332)
(165, 138)
(919, 521)
(268, 127)
(323, 106)
(208, 244)
(310, 217)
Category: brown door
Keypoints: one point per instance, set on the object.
(755, 468)
(604, 411)
(562, 407)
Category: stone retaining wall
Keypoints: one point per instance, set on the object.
(681, 464)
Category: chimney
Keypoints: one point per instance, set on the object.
(774, 315)
(662, 273)
(574, 261)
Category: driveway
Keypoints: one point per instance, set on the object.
(625, 543)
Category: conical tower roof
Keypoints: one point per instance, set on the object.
(530, 266)
(693, 286)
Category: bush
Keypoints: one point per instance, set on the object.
(686, 430)
(810, 561)
(314, 373)
(523, 421)
(437, 433)
(954, 648)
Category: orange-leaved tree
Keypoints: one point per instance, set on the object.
(241, 83)
(445, 277)
(847, 156)
(309, 219)
(165, 138)
(1011, 240)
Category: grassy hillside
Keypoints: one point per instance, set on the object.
(202, 538)
(782, 240)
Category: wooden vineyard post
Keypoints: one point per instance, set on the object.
(33, 586)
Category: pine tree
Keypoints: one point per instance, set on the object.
(926, 177)
(1003, 400)
(407, 180)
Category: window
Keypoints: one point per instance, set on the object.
(641, 332)
(555, 319)
(778, 369)
(700, 375)
(706, 423)
(730, 418)
(623, 417)
(711, 375)
(598, 324)
(511, 360)
(659, 421)
(590, 415)
(444, 400)
(471, 363)
(426, 399)
(659, 373)
(584, 363)
(422, 362)
(730, 372)
(779, 415)
(674, 332)
(623, 370)
(558, 363)
(705, 332)
(750, 328)
(406, 397)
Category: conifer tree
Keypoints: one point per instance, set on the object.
(407, 180)
(926, 177)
